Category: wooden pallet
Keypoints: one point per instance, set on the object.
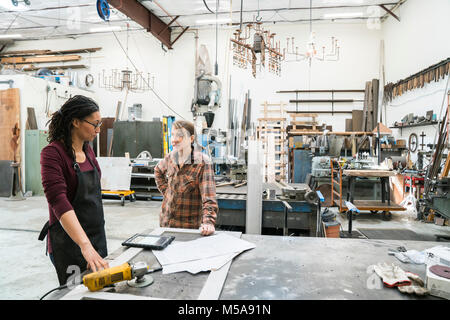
(272, 134)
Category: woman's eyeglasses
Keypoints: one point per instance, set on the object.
(98, 125)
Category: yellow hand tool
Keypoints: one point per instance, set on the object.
(134, 273)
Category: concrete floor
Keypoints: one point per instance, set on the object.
(27, 273)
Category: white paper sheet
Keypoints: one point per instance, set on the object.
(196, 266)
(202, 248)
(206, 253)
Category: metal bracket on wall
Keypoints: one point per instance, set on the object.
(10, 82)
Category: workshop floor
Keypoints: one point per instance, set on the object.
(27, 273)
(399, 220)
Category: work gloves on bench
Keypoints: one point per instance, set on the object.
(394, 276)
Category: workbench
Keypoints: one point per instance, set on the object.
(284, 268)
(232, 210)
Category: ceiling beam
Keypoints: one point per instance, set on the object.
(395, 7)
(145, 18)
(390, 12)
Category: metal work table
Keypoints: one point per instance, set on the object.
(285, 268)
(385, 205)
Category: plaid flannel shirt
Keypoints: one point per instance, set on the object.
(189, 193)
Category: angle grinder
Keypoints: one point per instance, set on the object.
(134, 274)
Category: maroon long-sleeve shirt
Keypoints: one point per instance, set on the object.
(60, 180)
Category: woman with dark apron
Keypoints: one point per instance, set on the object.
(71, 180)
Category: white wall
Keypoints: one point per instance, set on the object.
(33, 94)
(359, 62)
(419, 40)
(145, 52)
(175, 69)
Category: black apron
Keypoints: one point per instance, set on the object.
(88, 208)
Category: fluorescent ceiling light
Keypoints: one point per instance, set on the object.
(10, 36)
(343, 15)
(213, 21)
(106, 29)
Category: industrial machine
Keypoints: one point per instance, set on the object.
(437, 199)
(321, 167)
(207, 91)
(298, 192)
(238, 172)
(214, 143)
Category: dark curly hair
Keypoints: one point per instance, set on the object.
(60, 129)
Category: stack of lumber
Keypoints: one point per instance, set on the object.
(29, 60)
(370, 110)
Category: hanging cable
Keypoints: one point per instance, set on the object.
(310, 16)
(145, 81)
(216, 66)
(208, 7)
(240, 25)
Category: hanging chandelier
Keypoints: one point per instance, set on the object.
(115, 80)
(253, 45)
(311, 52)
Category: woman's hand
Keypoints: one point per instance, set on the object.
(94, 261)
(206, 229)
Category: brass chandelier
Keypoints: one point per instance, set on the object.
(254, 44)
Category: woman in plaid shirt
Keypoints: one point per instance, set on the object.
(185, 178)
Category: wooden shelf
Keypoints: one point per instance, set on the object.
(414, 125)
(374, 205)
(321, 111)
(349, 133)
(332, 100)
